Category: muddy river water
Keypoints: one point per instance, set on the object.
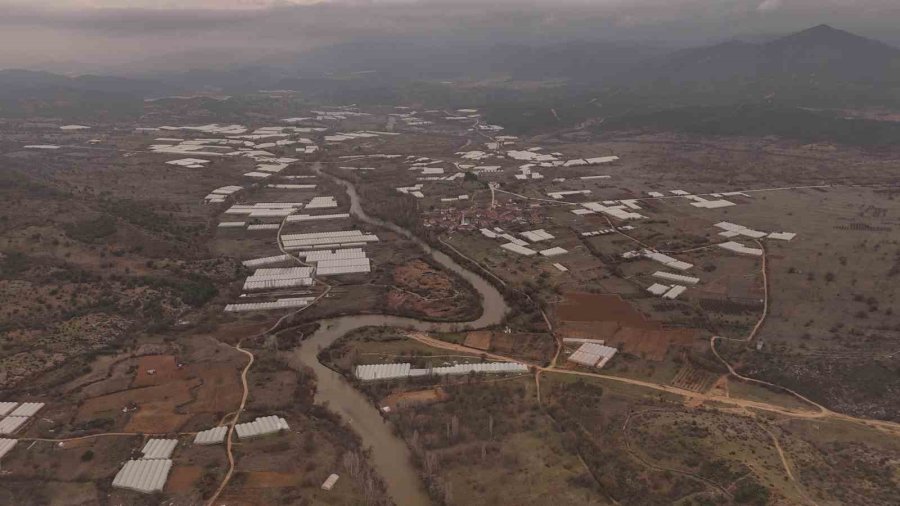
(390, 455)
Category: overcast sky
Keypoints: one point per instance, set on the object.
(93, 34)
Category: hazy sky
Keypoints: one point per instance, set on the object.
(97, 34)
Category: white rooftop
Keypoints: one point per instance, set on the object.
(740, 248)
(27, 409)
(11, 424)
(515, 248)
(143, 475)
(536, 235)
(322, 203)
(592, 354)
(669, 276)
(212, 436)
(658, 289)
(6, 445)
(285, 303)
(261, 426)
(552, 252)
(674, 292)
(159, 448)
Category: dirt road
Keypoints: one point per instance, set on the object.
(890, 427)
(229, 440)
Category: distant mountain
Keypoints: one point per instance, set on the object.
(819, 64)
(578, 61)
(26, 92)
(727, 61)
(452, 59)
(761, 120)
(18, 83)
(829, 53)
(385, 60)
(821, 67)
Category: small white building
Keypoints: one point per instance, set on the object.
(216, 435)
(593, 355)
(262, 426)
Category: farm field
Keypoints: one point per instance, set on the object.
(585, 317)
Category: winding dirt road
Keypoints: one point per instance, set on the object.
(229, 440)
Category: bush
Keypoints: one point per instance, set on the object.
(12, 263)
(91, 230)
(750, 492)
(193, 289)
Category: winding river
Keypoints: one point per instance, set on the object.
(391, 457)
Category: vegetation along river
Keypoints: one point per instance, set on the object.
(390, 455)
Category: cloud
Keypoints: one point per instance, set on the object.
(158, 4)
(770, 5)
(85, 30)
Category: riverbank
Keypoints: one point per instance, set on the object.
(390, 456)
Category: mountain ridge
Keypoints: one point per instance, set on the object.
(820, 66)
(822, 51)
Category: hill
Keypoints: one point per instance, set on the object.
(820, 66)
(29, 93)
(21, 81)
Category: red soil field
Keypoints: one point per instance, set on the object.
(609, 317)
(402, 399)
(479, 339)
(165, 369)
(182, 479)
(596, 307)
